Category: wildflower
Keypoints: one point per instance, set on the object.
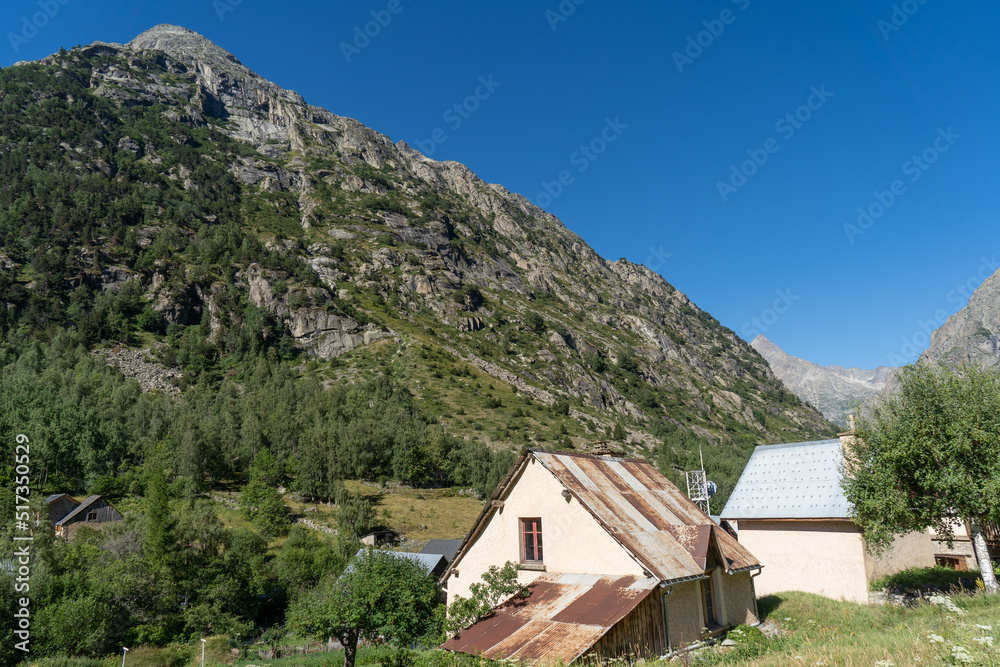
(984, 627)
(985, 641)
(961, 654)
(935, 639)
(787, 619)
(885, 663)
(945, 601)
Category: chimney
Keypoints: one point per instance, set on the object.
(847, 440)
(603, 448)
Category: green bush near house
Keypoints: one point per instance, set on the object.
(923, 578)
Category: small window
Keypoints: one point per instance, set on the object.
(950, 561)
(531, 540)
(91, 516)
(709, 593)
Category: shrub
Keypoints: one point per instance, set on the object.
(534, 322)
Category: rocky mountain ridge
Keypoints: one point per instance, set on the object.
(972, 335)
(372, 253)
(833, 390)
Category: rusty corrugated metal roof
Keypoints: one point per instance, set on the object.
(562, 618)
(646, 513)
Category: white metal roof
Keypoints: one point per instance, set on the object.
(800, 480)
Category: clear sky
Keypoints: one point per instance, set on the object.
(724, 143)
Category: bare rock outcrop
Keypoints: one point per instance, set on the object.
(133, 363)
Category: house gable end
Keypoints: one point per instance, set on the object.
(572, 540)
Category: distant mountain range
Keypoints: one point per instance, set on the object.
(833, 390)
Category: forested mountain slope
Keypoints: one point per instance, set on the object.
(338, 300)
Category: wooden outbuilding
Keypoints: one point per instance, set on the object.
(93, 511)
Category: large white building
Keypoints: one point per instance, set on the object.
(790, 510)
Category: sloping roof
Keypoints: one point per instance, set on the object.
(564, 616)
(56, 496)
(447, 548)
(79, 509)
(800, 480)
(639, 507)
(646, 513)
(427, 561)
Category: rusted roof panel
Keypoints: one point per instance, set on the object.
(645, 512)
(562, 618)
(550, 642)
(482, 637)
(695, 540)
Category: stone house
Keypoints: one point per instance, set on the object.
(617, 559)
(789, 509)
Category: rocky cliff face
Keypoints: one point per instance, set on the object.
(407, 250)
(972, 335)
(833, 390)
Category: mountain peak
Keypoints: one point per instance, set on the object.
(183, 44)
(834, 390)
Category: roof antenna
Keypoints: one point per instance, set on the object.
(700, 490)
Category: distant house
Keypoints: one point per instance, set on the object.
(789, 509)
(618, 562)
(446, 548)
(380, 537)
(67, 513)
(60, 504)
(960, 555)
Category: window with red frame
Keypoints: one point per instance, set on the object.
(531, 540)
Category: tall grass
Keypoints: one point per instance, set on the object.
(820, 631)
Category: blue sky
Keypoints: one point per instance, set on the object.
(740, 137)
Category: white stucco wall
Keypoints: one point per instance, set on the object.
(914, 549)
(823, 557)
(572, 540)
(738, 602)
(685, 613)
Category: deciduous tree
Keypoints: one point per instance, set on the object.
(928, 456)
(380, 595)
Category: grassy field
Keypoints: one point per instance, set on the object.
(960, 629)
(418, 514)
(813, 631)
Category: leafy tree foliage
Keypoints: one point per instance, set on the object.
(498, 584)
(927, 456)
(380, 596)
